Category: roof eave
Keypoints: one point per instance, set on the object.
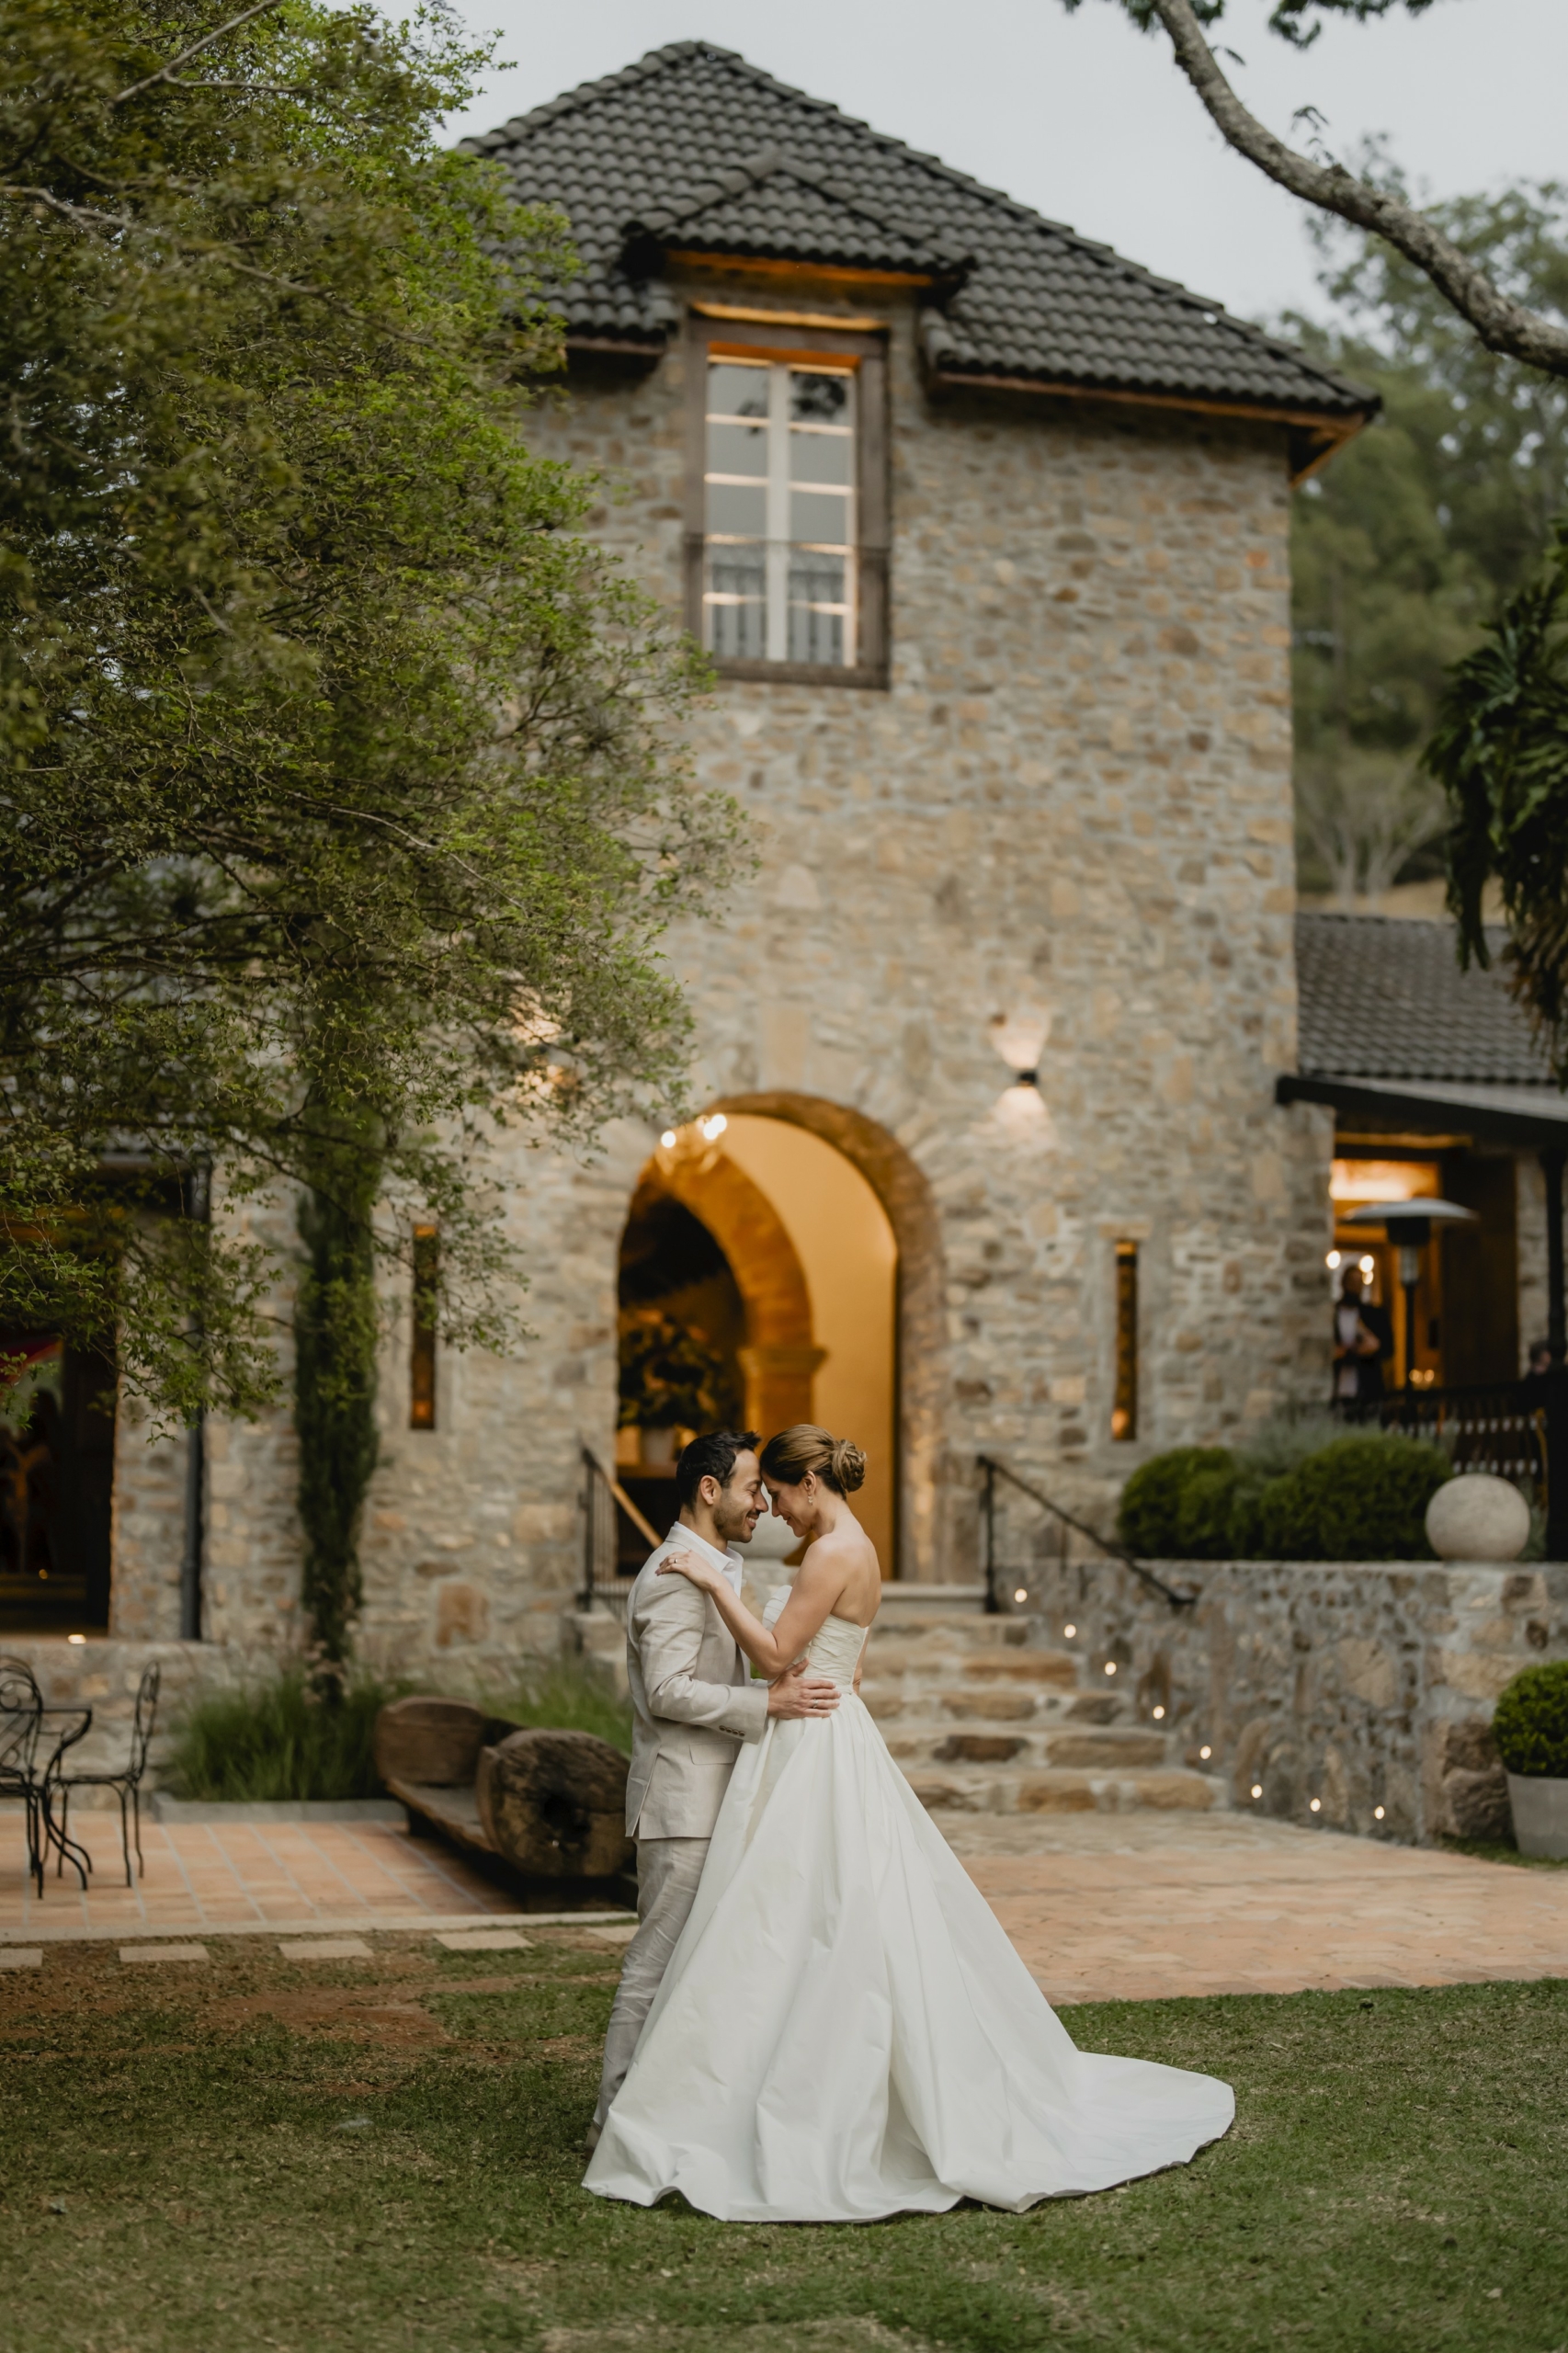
(1437, 1110)
(1315, 435)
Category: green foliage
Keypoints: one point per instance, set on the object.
(670, 1378)
(1531, 1726)
(564, 1694)
(1287, 1496)
(1151, 1501)
(1403, 547)
(336, 765)
(1205, 1510)
(1501, 754)
(285, 1738)
(335, 1331)
(1363, 1498)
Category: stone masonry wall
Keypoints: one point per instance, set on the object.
(1072, 804)
(1359, 1684)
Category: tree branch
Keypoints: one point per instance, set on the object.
(261, 9)
(1503, 326)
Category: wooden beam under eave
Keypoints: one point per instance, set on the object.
(1324, 434)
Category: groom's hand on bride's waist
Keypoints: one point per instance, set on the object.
(799, 1692)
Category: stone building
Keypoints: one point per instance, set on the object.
(986, 529)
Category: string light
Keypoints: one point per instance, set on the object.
(1020, 1595)
(715, 1128)
(668, 1139)
(1111, 1666)
(1069, 1631)
(1315, 1805)
(1377, 1813)
(1159, 1715)
(1257, 1789)
(1206, 1751)
(1332, 1260)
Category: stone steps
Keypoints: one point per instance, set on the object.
(982, 1720)
(1173, 1788)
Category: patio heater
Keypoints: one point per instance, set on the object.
(1409, 1225)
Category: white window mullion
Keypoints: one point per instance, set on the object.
(778, 514)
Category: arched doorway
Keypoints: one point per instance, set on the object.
(826, 1231)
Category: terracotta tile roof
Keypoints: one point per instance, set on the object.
(1382, 997)
(693, 149)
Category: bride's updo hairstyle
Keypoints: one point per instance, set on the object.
(836, 1461)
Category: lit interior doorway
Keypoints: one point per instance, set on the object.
(758, 1280)
(850, 1259)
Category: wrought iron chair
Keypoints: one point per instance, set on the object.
(24, 1718)
(22, 1722)
(126, 1784)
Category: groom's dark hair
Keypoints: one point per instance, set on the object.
(713, 1456)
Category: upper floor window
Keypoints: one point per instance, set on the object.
(779, 574)
(787, 502)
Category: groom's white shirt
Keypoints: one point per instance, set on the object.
(692, 1697)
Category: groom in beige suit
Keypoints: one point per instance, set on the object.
(693, 1704)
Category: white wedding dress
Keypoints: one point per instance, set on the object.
(844, 2030)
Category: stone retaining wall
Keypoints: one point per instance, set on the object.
(103, 1674)
(1357, 1684)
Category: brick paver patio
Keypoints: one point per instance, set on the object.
(1101, 1907)
(1136, 1906)
(233, 1875)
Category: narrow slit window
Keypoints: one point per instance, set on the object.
(780, 533)
(422, 1353)
(1124, 1410)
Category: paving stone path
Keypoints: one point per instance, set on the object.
(1138, 1906)
(1101, 1907)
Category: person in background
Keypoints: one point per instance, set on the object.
(1363, 1341)
(1538, 1373)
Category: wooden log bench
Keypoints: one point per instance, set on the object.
(542, 1805)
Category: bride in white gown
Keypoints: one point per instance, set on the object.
(844, 2030)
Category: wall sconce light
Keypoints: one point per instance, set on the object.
(1020, 1039)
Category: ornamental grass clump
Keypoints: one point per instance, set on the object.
(1531, 1726)
(283, 1739)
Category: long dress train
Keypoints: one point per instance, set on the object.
(845, 2032)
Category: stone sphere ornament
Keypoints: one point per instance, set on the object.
(1478, 1516)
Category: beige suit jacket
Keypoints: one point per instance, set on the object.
(692, 1697)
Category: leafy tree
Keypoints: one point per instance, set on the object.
(1410, 540)
(1502, 322)
(1500, 753)
(340, 816)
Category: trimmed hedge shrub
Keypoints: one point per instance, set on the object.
(1361, 1497)
(1531, 1726)
(1151, 1501)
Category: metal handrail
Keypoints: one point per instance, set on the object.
(1179, 1597)
(602, 1494)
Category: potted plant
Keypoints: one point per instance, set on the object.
(1530, 1728)
(671, 1379)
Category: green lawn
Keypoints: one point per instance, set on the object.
(384, 2155)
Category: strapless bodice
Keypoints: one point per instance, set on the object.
(833, 1650)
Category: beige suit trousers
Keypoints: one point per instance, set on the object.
(667, 1872)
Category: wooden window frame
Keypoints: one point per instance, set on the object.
(1124, 1403)
(425, 1316)
(725, 338)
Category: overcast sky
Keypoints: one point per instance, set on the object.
(1089, 122)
